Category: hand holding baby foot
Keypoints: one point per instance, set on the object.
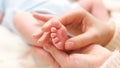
(55, 31)
(87, 28)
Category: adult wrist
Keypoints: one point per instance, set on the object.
(114, 42)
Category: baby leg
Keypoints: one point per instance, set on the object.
(44, 33)
(26, 25)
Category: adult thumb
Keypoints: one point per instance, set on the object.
(81, 40)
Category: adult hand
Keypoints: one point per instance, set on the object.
(86, 28)
(96, 8)
(92, 56)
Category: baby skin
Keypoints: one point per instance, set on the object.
(57, 32)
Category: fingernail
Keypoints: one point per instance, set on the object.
(69, 45)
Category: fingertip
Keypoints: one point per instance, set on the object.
(46, 27)
(37, 34)
(36, 15)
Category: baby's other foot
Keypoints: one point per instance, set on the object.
(59, 35)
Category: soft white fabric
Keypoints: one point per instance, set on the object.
(15, 53)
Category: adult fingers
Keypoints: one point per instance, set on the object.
(58, 55)
(73, 16)
(43, 17)
(81, 40)
(51, 23)
(95, 8)
(38, 34)
(45, 56)
(45, 38)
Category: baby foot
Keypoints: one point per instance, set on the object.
(59, 35)
(43, 35)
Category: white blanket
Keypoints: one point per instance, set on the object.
(14, 53)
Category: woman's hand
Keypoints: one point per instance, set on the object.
(92, 56)
(86, 28)
(96, 8)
